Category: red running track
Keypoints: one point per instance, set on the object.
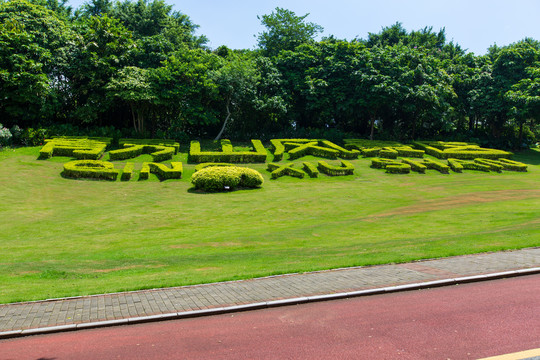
(466, 321)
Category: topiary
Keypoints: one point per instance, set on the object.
(223, 178)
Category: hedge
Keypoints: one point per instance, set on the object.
(278, 147)
(79, 148)
(222, 178)
(315, 150)
(417, 166)
(391, 166)
(127, 173)
(282, 170)
(156, 142)
(388, 153)
(458, 165)
(459, 150)
(90, 169)
(205, 165)
(436, 165)
(512, 165)
(310, 169)
(361, 144)
(162, 171)
(226, 155)
(346, 168)
(158, 152)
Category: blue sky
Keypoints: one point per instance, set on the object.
(474, 24)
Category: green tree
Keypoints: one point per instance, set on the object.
(285, 31)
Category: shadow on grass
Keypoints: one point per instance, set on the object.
(531, 157)
(193, 190)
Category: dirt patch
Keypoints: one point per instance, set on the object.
(461, 200)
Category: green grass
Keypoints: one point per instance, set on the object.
(64, 237)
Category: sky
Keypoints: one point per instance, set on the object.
(473, 24)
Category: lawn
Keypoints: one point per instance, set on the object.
(64, 237)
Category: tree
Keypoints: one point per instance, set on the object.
(285, 31)
(132, 85)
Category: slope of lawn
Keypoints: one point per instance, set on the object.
(63, 237)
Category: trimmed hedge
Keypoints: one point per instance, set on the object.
(345, 168)
(511, 165)
(310, 169)
(316, 147)
(226, 155)
(458, 165)
(205, 165)
(391, 166)
(388, 153)
(78, 147)
(127, 173)
(417, 166)
(459, 150)
(282, 170)
(90, 169)
(156, 142)
(159, 153)
(162, 171)
(437, 165)
(315, 150)
(223, 178)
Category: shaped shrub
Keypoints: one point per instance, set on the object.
(391, 166)
(436, 165)
(346, 168)
(302, 147)
(417, 166)
(282, 170)
(227, 155)
(127, 173)
(311, 169)
(90, 169)
(459, 150)
(204, 165)
(512, 165)
(458, 165)
(159, 153)
(78, 147)
(157, 142)
(162, 171)
(223, 178)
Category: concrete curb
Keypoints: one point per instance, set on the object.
(269, 304)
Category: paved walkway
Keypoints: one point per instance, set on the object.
(119, 308)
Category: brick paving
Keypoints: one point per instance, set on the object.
(107, 307)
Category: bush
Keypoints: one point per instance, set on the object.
(458, 165)
(156, 142)
(90, 169)
(346, 168)
(227, 155)
(417, 166)
(391, 166)
(78, 147)
(127, 173)
(205, 165)
(223, 178)
(302, 147)
(162, 171)
(159, 153)
(311, 169)
(460, 150)
(282, 170)
(5, 136)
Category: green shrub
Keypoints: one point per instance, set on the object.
(493, 165)
(315, 150)
(78, 147)
(388, 153)
(417, 166)
(459, 150)
(282, 170)
(302, 147)
(311, 169)
(204, 165)
(391, 166)
(157, 142)
(371, 152)
(159, 153)
(161, 171)
(226, 155)
(458, 165)
(436, 165)
(512, 165)
(345, 168)
(90, 169)
(223, 178)
(127, 173)
(407, 151)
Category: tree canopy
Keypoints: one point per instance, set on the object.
(140, 65)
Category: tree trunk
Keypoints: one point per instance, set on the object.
(226, 120)
(134, 117)
(372, 127)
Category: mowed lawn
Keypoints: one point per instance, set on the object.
(63, 237)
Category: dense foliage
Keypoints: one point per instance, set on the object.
(139, 65)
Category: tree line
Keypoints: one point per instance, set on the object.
(139, 65)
